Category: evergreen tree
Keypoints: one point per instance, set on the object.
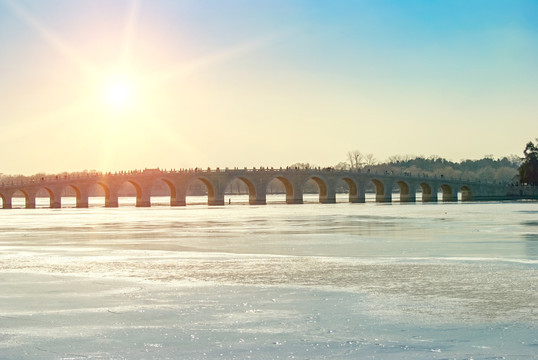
(528, 171)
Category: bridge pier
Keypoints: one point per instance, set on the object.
(177, 202)
(178, 191)
(216, 193)
(55, 197)
(257, 192)
(294, 201)
(432, 197)
(327, 195)
(216, 197)
(383, 190)
(257, 201)
(143, 196)
(358, 195)
(407, 191)
(111, 201)
(7, 202)
(295, 196)
(382, 198)
(409, 197)
(329, 198)
(30, 198)
(55, 203)
(215, 189)
(82, 197)
(178, 197)
(81, 204)
(449, 193)
(216, 200)
(356, 199)
(30, 201)
(465, 194)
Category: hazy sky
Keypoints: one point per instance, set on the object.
(111, 85)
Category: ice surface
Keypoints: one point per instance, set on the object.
(341, 281)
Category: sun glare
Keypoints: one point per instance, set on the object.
(119, 94)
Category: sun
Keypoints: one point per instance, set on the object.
(119, 93)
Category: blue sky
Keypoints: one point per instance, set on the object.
(263, 83)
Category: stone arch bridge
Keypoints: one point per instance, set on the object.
(257, 181)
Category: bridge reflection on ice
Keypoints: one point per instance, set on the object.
(200, 200)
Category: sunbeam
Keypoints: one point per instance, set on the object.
(45, 122)
(129, 33)
(216, 58)
(50, 37)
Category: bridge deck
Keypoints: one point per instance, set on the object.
(256, 180)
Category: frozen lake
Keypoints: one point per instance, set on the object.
(312, 281)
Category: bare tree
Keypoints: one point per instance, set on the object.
(400, 158)
(370, 160)
(351, 159)
(393, 159)
(355, 158)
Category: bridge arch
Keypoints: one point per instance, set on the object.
(154, 188)
(106, 189)
(326, 195)
(466, 193)
(210, 188)
(143, 193)
(215, 195)
(382, 194)
(292, 195)
(407, 193)
(78, 192)
(54, 197)
(137, 187)
(175, 199)
(252, 193)
(354, 194)
(29, 202)
(448, 193)
(6, 204)
(288, 186)
(80, 196)
(427, 192)
(379, 187)
(171, 186)
(112, 190)
(255, 196)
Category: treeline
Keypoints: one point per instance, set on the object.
(499, 170)
(504, 170)
(486, 169)
(528, 171)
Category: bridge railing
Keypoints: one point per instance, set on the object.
(34, 180)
